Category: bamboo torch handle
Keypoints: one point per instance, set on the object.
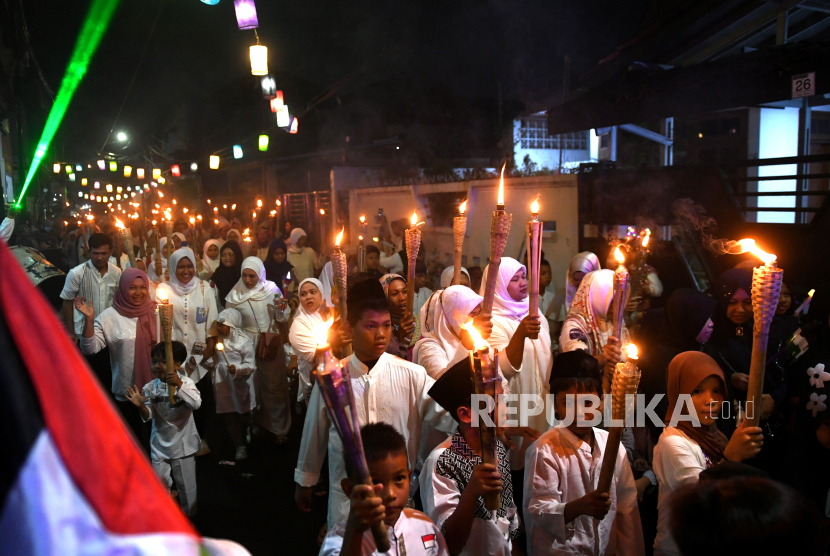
(755, 389)
(609, 460)
(168, 353)
(381, 537)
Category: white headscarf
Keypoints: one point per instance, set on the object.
(447, 275)
(319, 285)
(233, 318)
(504, 305)
(180, 236)
(583, 262)
(238, 236)
(151, 271)
(296, 234)
(589, 310)
(262, 291)
(443, 315)
(174, 283)
(326, 282)
(206, 260)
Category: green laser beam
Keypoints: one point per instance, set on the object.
(95, 25)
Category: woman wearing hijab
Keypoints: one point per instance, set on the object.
(276, 265)
(230, 269)
(311, 313)
(210, 256)
(151, 271)
(178, 238)
(440, 346)
(449, 272)
(525, 363)
(254, 296)
(234, 235)
(403, 323)
(303, 258)
(589, 325)
(684, 449)
(129, 330)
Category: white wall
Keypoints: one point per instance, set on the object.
(549, 158)
(778, 137)
(557, 198)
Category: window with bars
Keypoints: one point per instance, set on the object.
(533, 134)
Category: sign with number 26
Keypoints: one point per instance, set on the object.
(804, 85)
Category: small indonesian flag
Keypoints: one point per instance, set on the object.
(429, 541)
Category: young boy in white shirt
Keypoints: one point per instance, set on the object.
(174, 440)
(410, 532)
(455, 480)
(564, 512)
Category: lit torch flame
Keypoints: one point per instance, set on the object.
(192, 220)
(259, 203)
(748, 246)
(478, 341)
(339, 237)
(810, 293)
(321, 333)
(646, 238)
(161, 295)
(220, 346)
(534, 208)
(273, 213)
(362, 219)
(119, 224)
(233, 206)
(631, 351)
(462, 208)
(414, 219)
(501, 186)
(618, 255)
(161, 194)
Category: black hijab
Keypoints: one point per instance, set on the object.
(685, 315)
(276, 272)
(225, 278)
(724, 329)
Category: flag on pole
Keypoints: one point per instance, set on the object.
(73, 479)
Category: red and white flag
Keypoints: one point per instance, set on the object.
(74, 480)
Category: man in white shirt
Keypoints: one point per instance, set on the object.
(386, 389)
(95, 281)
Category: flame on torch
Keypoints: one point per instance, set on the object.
(192, 220)
(259, 203)
(748, 246)
(220, 346)
(631, 351)
(339, 237)
(462, 208)
(233, 206)
(810, 293)
(362, 219)
(321, 333)
(618, 255)
(414, 219)
(478, 341)
(273, 213)
(161, 295)
(646, 238)
(534, 208)
(119, 224)
(501, 186)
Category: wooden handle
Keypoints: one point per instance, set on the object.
(381, 537)
(755, 389)
(609, 459)
(490, 287)
(168, 353)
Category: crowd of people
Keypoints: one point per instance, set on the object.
(247, 310)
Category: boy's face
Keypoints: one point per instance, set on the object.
(371, 334)
(465, 413)
(393, 473)
(372, 261)
(566, 401)
(160, 367)
(223, 329)
(420, 280)
(545, 277)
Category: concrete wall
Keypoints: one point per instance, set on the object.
(557, 198)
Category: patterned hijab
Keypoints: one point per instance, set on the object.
(590, 307)
(387, 279)
(583, 262)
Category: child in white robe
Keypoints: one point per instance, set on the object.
(564, 512)
(233, 376)
(174, 440)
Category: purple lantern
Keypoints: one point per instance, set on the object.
(246, 14)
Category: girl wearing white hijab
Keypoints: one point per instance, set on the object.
(303, 258)
(588, 325)
(233, 379)
(525, 363)
(311, 313)
(211, 263)
(151, 268)
(254, 297)
(440, 346)
(446, 277)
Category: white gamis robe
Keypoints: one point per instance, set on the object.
(561, 468)
(186, 329)
(270, 381)
(393, 392)
(234, 393)
(301, 338)
(174, 431)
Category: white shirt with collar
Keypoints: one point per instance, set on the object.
(413, 535)
(174, 430)
(393, 392)
(85, 280)
(560, 468)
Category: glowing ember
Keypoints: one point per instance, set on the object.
(631, 351)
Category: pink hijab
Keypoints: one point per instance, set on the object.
(145, 327)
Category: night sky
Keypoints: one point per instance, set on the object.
(406, 63)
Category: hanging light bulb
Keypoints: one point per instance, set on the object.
(78, 168)
(83, 181)
(194, 166)
(109, 188)
(102, 165)
(259, 59)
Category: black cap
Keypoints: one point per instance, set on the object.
(454, 388)
(575, 364)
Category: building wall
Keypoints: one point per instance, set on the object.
(530, 138)
(557, 198)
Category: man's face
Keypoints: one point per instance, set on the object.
(100, 256)
(397, 297)
(371, 334)
(262, 236)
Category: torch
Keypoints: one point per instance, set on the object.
(623, 391)
(166, 317)
(361, 246)
(485, 375)
(157, 230)
(127, 239)
(534, 260)
(341, 274)
(220, 347)
(766, 288)
(459, 229)
(621, 283)
(336, 388)
(499, 230)
(806, 304)
(413, 244)
(168, 230)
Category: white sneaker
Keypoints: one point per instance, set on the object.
(241, 453)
